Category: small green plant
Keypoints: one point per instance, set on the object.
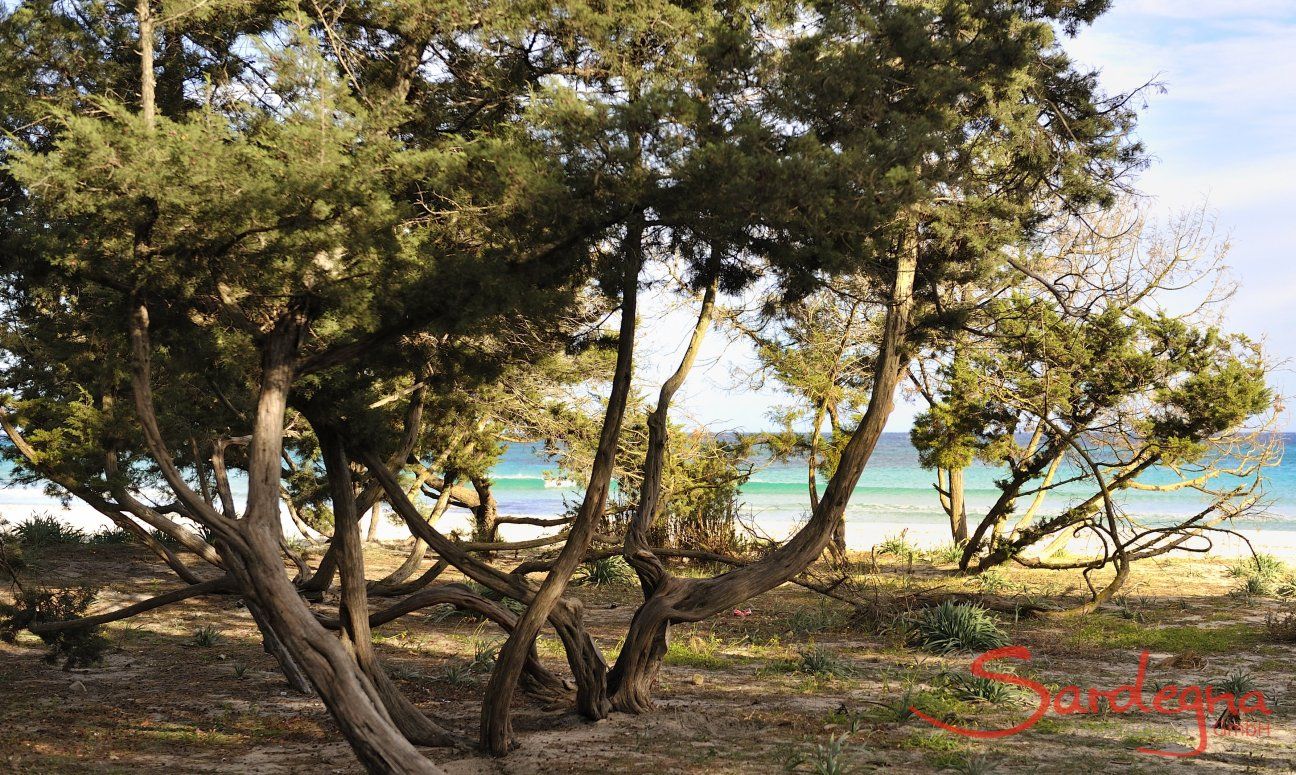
(240, 670)
(484, 652)
(457, 675)
(976, 689)
(817, 660)
(993, 582)
(1281, 627)
(1127, 611)
(108, 537)
(1265, 565)
(949, 553)
(1237, 683)
(206, 636)
(76, 647)
(974, 765)
(852, 720)
(809, 621)
(45, 530)
(822, 759)
(604, 572)
(897, 546)
(1255, 586)
(951, 627)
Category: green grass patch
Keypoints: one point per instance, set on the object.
(697, 652)
(1107, 632)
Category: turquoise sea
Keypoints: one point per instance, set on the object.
(893, 489)
(894, 494)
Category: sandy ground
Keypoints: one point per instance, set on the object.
(734, 696)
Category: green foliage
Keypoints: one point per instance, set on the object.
(605, 572)
(810, 620)
(1237, 683)
(1262, 576)
(206, 636)
(951, 627)
(949, 553)
(993, 582)
(485, 651)
(897, 546)
(109, 537)
(1263, 565)
(974, 765)
(75, 648)
(822, 758)
(1281, 627)
(818, 660)
(1100, 631)
(12, 561)
(457, 675)
(44, 531)
(974, 688)
(697, 651)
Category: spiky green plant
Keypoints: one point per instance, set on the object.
(817, 660)
(1265, 565)
(822, 759)
(457, 675)
(604, 572)
(949, 553)
(45, 530)
(977, 689)
(108, 537)
(897, 546)
(974, 765)
(206, 636)
(951, 627)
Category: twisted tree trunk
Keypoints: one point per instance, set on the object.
(496, 728)
(670, 599)
(354, 609)
(249, 548)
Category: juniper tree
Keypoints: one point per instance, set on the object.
(253, 247)
(1111, 378)
(267, 227)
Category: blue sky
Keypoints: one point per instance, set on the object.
(1223, 132)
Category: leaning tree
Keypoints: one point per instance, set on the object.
(1111, 378)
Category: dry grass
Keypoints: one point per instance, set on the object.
(737, 694)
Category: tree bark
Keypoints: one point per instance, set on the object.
(486, 512)
(583, 654)
(250, 550)
(683, 600)
(375, 518)
(354, 608)
(958, 506)
(496, 727)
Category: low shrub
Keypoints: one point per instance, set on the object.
(45, 530)
(1281, 627)
(80, 647)
(605, 572)
(206, 636)
(951, 627)
(107, 537)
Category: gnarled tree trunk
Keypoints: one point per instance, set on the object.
(671, 599)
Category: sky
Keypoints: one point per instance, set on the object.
(1222, 132)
